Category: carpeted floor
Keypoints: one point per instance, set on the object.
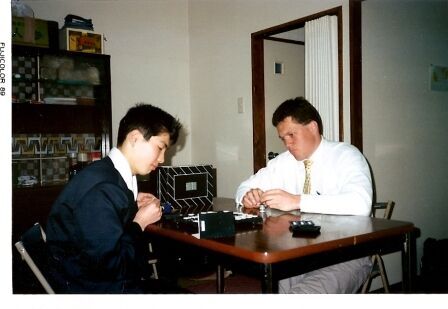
(233, 284)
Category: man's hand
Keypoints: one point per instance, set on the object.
(252, 198)
(280, 199)
(144, 199)
(148, 213)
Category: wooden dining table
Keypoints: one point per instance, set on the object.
(277, 254)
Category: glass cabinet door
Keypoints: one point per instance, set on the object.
(61, 107)
(59, 79)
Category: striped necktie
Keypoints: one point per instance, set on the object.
(307, 184)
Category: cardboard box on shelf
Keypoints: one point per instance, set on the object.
(81, 40)
(34, 32)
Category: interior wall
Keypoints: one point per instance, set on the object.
(281, 87)
(192, 58)
(405, 123)
(220, 73)
(148, 44)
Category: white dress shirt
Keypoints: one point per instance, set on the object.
(340, 184)
(340, 180)
(122, 166)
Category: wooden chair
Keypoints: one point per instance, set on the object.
(32, 250)
(378, 268)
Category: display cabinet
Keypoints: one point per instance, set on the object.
(61, 105)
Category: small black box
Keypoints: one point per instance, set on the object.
(216, 225)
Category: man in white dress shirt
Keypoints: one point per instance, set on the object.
(340, 184)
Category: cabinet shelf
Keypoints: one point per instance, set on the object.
(65, 82)
(57, 183)
(24, 80)
(77, 88)
(39, 158)
(55, 118)
(68, 82)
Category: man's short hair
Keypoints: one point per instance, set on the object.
(150, 121)
(300, 110)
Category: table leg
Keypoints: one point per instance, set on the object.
(408, 262)
(220, 279)
(266, 284)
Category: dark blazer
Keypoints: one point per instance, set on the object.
(95, 246)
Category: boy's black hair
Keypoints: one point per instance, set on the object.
(150, 121)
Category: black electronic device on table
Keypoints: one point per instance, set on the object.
(191, 222)
(301, 228)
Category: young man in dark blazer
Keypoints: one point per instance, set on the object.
(95, 229)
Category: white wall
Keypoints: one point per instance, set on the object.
(192, 58)
(148, 44)
(281, 87)
(220, 50)
(405, 124)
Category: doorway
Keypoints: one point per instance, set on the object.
(258, 78)
(284, 77)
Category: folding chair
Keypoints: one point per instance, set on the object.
(152, 261)
(32, 249)
(378, 268)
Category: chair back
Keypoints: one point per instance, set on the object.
(32, 248)
(388, 208)
(378, 268)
